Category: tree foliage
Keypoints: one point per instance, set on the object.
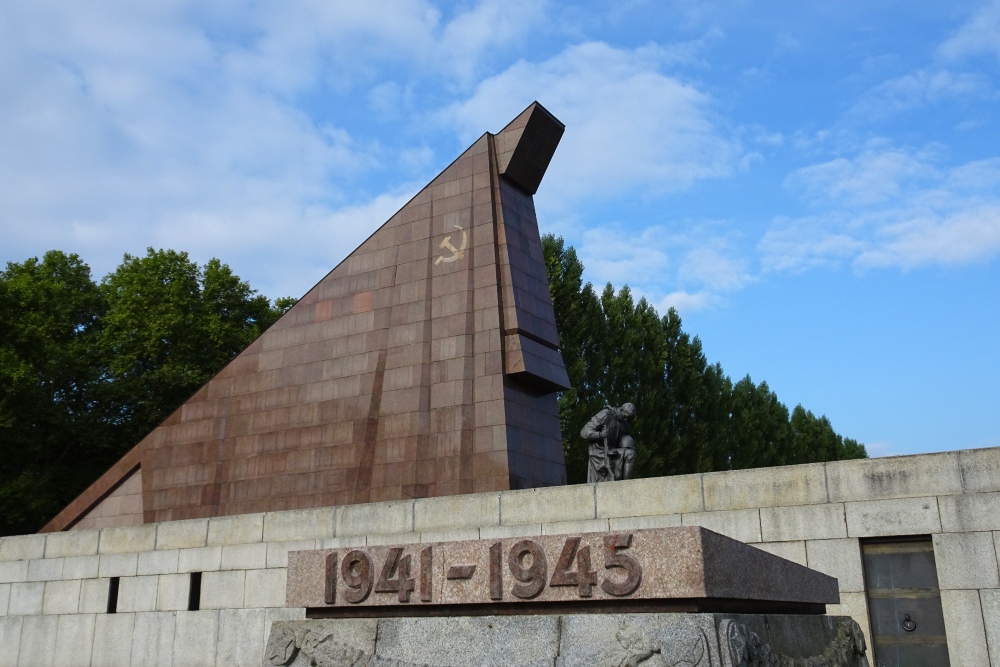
(88, 369)
(690, 416)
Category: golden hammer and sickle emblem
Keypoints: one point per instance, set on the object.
(456, 253)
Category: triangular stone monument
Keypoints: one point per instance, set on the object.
(425, 364)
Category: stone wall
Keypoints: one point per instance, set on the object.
(54, 587)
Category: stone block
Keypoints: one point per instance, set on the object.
(650, 497)
(374, 519)
(299, 524)
(765, 487)
(137, 593)
(273, 614)
(10, 639)
(684, 562)
(80, 567)
(4, 598)
(963, 623)
(195, 638)
(970, 512)
(45, 569)
(454, 534)
(894, 477)
(118, 565)
(71, 543)
(265, 588)
(112, 640)
(742, 525)
(392, 538)
(840, 559)
(74, 640)
(793, 551)
(674, 639)
(906, 516)
(450, 512)
(11, 571)
(61, 597)
(503, 640)
(989, 600)
(182, 534)
(241, 637)
(203, 559)
(980, 469)
(331, 543)
(127, 539)
(22, 547)
(26, 599)
(94, 596)
(549, 504)
(223, 589)
(642, 522)
(153, 639)
(238, 529)
(803, 522)
(567, 527)
(158, 562)
(38, 642)
(966, 560)
(516, 530)
(277, 552)
(244, 556)
(854, 605)
(582, 640)
(173, 592)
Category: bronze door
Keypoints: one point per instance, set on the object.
(904, 604)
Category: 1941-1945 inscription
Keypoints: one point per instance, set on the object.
(525, 563)
(639, 564)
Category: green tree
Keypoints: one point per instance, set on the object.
(169, 327)
(87, 370)
(690, 416)
(759, 432)
(51, 376)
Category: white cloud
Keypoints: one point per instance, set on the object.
(978, 36)
(631, 129)
(915, 213)
(876, 175)
(180, 123)
(944, 238)
(689, 270)
(685, 302)
(918, 89)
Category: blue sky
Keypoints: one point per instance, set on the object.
(815, 186)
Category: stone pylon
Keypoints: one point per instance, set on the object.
(425, 364)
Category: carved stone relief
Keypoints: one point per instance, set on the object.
(746, 649)
(612, 640)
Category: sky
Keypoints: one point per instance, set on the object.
(815, 187)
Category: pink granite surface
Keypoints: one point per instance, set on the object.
(665, 564)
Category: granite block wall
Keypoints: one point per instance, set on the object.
(54, 587)
(425, 364)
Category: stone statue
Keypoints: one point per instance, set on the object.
(612, 449)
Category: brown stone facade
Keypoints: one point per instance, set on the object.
(425, 364)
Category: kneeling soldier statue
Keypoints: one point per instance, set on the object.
(612, 449)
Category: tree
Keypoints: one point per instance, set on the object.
(690, 416)
(50, 384)
(169, 327)
(87, 370)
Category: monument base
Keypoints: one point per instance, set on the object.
(571, 640)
